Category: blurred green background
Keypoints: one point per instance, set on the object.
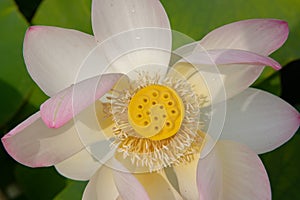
(20, 97)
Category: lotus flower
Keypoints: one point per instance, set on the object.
(139, 123)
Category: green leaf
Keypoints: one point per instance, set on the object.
(15, 83)
(37, 96)
(39, 183)
(73, 190)
(283, 166)
(65, 13)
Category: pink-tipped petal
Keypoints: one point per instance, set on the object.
(80, 166)
(260, 120)
(262, 36)
(232, 172)
(186, 176)
(227, 57)
(126, 15)
(33, 144)
(63, 106)
(101, 186)
(53, 56)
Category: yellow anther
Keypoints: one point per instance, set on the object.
(156, 112)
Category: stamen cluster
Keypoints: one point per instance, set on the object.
(145, 152)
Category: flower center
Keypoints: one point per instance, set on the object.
(157, 122)
(156, 112)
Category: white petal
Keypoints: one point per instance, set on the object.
(53, 56)
(141, 185)
(120, 55)
(129, 187)
(260, 120)
(186, 176)
(113, 17)
(33, 144)
(232, 172)
(101, 186)
(80, 166)
(209, 176)
(262, 36)
(150, 48)
(138, 35)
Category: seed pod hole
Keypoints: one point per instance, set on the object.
(154, 94)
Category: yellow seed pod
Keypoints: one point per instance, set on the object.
(156, 112)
